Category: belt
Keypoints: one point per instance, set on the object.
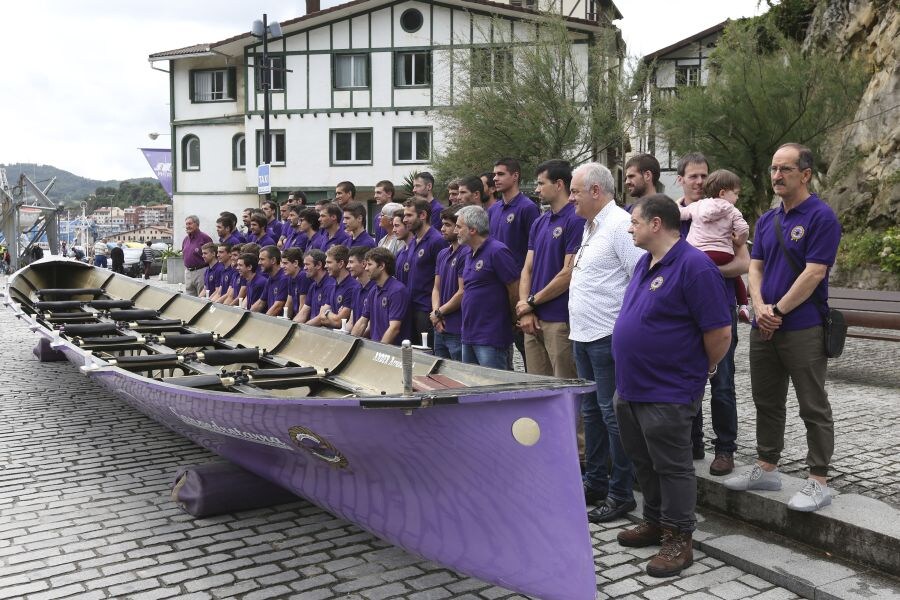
(195, 268)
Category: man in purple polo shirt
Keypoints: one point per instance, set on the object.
(471, 192)
(231, 295)
(385, 311)
(321, 288)
(226, 232)
(254, 282)
(404, 236)
(384, 194)
(355, 225)
(298, 282)
(293, 234)
(330, 232)
(194, 265)
(422, 251)
(273, 225)
(446, 296)
(790, 299)
(543, 308)
(673, 329)
(223, 256)
(356, 264)
(491, 291)
(423, 188)
(338, 307)
(275, 293)
(258, 231)
(212, 278)
(344, 193)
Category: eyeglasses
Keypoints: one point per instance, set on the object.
(578, 256)
(784, 170)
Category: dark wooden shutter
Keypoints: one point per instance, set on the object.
(232, 83)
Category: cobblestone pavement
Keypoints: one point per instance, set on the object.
(85, 513)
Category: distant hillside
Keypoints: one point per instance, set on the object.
(69, 188)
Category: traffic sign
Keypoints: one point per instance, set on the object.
(264, 183)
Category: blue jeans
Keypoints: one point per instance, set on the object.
(594, 361)
(100, 261)
(486, 356)
(448, 345)
(723, 403)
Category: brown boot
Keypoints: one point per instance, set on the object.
(676, 554)
(645, 534)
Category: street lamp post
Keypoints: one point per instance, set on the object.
(263, 30)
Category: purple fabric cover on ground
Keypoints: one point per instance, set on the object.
(221, 488)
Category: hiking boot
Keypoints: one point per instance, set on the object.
(754, 479)
(676, 554)
(645, 534)
(812, 497)
(722, 465)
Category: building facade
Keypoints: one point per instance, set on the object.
(354, 94)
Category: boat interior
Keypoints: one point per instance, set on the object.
(192, 342)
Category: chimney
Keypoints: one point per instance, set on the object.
(312, 6)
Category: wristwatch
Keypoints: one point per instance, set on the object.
(531, 301)
(776, 310)
(328, 312)
(438, 314)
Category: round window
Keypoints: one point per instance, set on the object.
(411, 20)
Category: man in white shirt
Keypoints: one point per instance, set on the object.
(601, 271)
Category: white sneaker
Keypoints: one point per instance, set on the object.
(754, 479)
(812, 497)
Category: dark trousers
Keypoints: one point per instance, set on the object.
(723, 402)
(657, 438)
(422, 324)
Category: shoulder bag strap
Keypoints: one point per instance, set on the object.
(794, 265)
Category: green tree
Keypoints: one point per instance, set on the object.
(535, 102)
(763, 91)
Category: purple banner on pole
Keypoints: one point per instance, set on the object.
(160, 160)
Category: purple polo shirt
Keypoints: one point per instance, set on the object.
(340, 238)
(228, 275)
(811, 234)
(296, 239)
(449, 268)
(190, 249)
(256, 287)
(359, 300)
(213, 277)
(436, 208)
(251, 238)
(511, 224)
(422, 256)
(553, 235)
(319, 293)
(658, 336)
(237, 282)
(344, 293)
(486, 318)
(379, 232)
(298, 286)
(233, 239)
(385, 304)
(265, 240)
(276, 289)
(403, 265)
(273, 229)
(363, 239)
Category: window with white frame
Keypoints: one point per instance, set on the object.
(491, 66)
(239, 152)
(351, 146)
(689, 75)
(412, 145)
(213, 85)
(278, 156)
(412, 69)
(190, 153)
(276, 81)
(351, 71)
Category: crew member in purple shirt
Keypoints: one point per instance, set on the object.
(254, 282)
(223, 256)
(232, 293)
(273, 225)
(212, 278)
(226, 232)
(194, 265)
(258, 231)
(423, 188)
(330, 231)
(491, 291)
(275, 293)
(354, 220)
(447, 293)
(789, 287)
(336, 311)
(321, 288)
(673, 329)
(356, 264)
(296, 233)
(384, 194)
(402, 259)
(385, 312)
(424, 245)
(298, 282)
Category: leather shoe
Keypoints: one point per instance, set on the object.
(611, 510)
(592, 496)
(723, 464)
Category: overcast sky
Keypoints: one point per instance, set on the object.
(78, 92)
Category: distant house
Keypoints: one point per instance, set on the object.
(354, 92)
(143, 235)
(684, 63)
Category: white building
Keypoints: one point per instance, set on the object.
(354, 92)
(684, 63)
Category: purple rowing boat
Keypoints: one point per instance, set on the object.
(473, 468)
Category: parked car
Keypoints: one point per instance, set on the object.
(133, 266)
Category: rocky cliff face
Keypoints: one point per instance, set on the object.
(864, 174)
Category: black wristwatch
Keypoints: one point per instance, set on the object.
(438, 314)
(531, 301)
(776, 310)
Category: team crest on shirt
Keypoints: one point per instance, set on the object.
(453, 263)
(405, 267)
(319, 297)
(421, 252)
(557, 232)
(797, 233)
(340, 299)
(384, 302)
(510, 217)
(656, 283)
(479, 264)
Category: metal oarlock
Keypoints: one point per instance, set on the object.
(407, 360)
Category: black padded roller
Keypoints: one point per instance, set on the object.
(90, 329)
(110, 304)
(226, 357)
(161, 360)
(58, 305)
(155, 325)
(109, 341)
(69, 292)
(283, 372)
(132, 315)
(194, 381)
(184, 340)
